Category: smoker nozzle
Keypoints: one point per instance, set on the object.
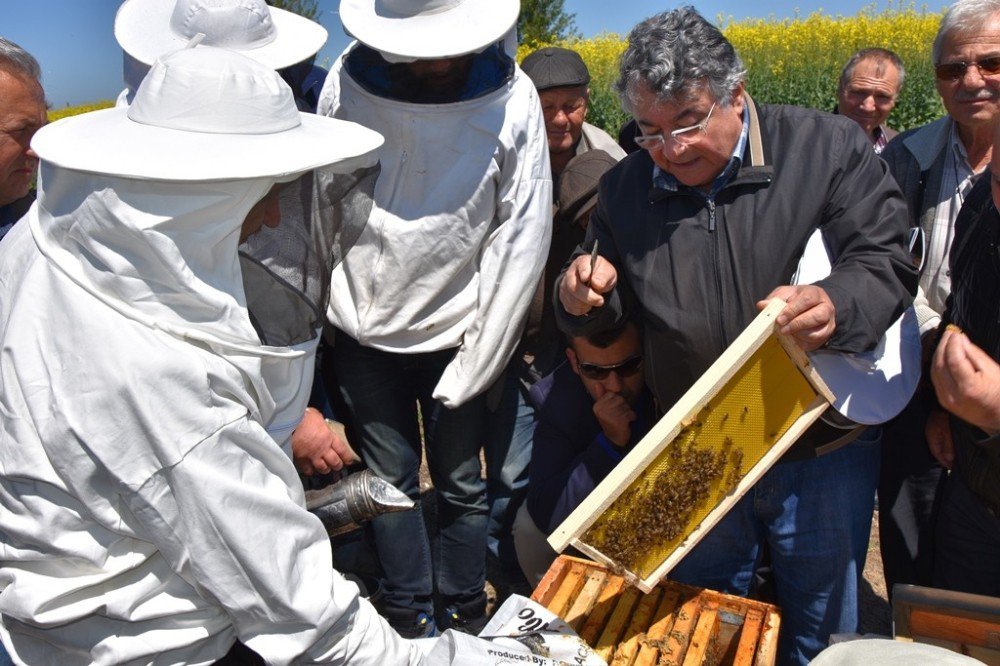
(355, 499)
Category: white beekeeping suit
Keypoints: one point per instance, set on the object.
(147, 516)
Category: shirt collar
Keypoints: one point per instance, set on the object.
(666, 181)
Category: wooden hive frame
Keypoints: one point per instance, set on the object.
(691, 410)
(965, 623)
(672, 625)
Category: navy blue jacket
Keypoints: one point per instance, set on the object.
(570, 454)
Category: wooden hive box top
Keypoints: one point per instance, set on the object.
(673, 624)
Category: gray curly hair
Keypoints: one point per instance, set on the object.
(677, 54)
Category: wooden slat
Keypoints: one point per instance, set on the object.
(613, 630)
(549, 585)
(568, 589)
(628, 647)
(663, 622)
(952, 627)
(605, 604)
(701, 640)
(680, 635)
(585, 601)
(767, 648)
(747, 648)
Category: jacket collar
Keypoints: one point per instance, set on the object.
(757, 166)
(927, 143)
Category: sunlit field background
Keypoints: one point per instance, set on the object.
(789, 61)
(795, 61)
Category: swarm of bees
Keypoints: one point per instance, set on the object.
(656, 508)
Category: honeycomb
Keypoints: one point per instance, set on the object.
(704, 463)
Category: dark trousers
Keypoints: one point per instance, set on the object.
(967, 543)
(241, 655)
(910, 480)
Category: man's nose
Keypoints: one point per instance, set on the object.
(868, 103)
(972, 78)
(613, 383)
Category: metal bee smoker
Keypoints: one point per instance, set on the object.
(354, 500)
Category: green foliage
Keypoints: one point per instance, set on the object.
(542, 22)
(307, 8)
(792, 61)
(68, 111)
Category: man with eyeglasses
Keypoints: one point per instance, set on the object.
(591, 412)
(936, 166)
(696, 233)
(867, 91)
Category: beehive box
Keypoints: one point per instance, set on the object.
(672, 624)
(701, 457)
(965, 623)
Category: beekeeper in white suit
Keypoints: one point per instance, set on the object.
(146, 515)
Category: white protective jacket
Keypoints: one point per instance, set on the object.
(451, 252)
(146, 515)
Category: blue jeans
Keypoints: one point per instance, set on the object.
(508, 452)
(815, 516)
(382, 390)
(5, 659)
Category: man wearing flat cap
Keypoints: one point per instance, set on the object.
(148, 515)
(562, 79)
(430, 297)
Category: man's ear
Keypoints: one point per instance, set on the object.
(573, 363)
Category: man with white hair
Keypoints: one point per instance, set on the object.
(435, 281)
(144, 359)
(22, 112)
(936, 166)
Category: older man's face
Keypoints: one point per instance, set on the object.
(22, 112)
(564, 110)
(703, 154)
(973, 99)
(870, 95)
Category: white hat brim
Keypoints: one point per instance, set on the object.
(108, 142)
(870, 387)
(142, 28)
(468, 27)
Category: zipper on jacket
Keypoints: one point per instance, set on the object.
(716, 263)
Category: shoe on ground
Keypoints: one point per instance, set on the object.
(468, 617)
(410, 623)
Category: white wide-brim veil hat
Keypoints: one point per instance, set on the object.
(428, 29)
(148, 29)
(869, 387)
(206, 114)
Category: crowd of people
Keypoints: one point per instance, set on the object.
(431, 244)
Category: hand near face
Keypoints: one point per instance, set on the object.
(317, 449)
(614, 415)
(967, 381)
(579, 291)
(809, 315)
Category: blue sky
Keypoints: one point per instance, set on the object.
(81, 61)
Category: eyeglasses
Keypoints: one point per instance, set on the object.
(684, 136)
(953, 71)
(626, 368)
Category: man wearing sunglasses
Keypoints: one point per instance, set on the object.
(696, 232)
(936, 166)
(591, 412)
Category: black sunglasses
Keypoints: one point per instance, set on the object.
(953, 71)
(626, 368)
